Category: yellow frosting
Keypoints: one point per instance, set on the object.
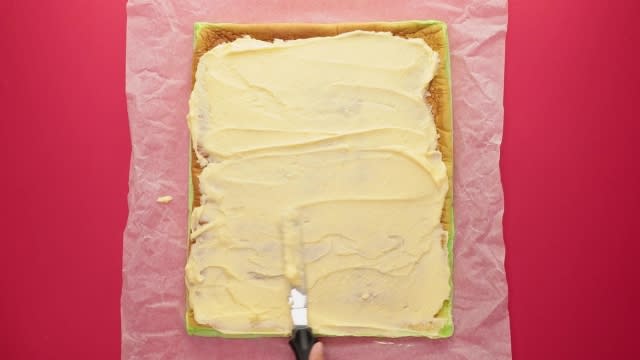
(319, 155)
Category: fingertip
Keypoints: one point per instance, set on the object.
(317, 352)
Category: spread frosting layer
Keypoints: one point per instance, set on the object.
(319, 155)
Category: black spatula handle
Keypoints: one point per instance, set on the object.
(301, 342)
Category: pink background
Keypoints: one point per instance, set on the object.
(567, 166)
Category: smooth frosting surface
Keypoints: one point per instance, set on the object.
(318, 154)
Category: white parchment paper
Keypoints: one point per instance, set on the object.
(159, 46)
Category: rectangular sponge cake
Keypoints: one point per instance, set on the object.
(334, 136)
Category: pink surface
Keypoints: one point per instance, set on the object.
(572, 264)
(159, 41)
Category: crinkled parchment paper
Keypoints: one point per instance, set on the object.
(159, 45)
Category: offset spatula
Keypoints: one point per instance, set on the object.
(302, 338)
